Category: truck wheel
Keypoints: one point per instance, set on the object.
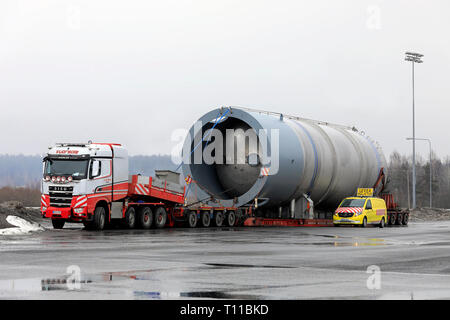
(99, 218)
(160, 217)
(130, 218)
(405, 219)
(145, 217)
(364, 223)
(58, 223)
(206, 219)
(218, 219)
(192, 219)
(231, 218)
(399, 219)
(382, 223)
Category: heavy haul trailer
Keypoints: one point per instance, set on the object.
(295, 173)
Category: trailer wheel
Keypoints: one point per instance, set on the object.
(58, 223)
(218, 219)
(192, 219)
(145, 217)
(231, 218)
(206, 219)
(382, 223)
(160, 217)
(99, 218)
(391, 218)
(405, 219)
(399, 219)
(130, 218)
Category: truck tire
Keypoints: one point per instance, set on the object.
(364, 223)
(192, 219)
(218, 219)
(130, 218)
(206, 219)
(405, 219)
(231, 218)
(58, 223)
(399, 219)
(145, 217)
(99, 218)
(382, 223)
(160, 217)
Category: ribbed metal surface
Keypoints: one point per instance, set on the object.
(326, 161)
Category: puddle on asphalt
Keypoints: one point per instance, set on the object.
(371, 242)
(195, 294)
(33, 285)
(36, 284)
(230, 265)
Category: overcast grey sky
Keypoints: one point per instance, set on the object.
(133, 71)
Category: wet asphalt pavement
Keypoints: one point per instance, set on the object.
(230, 263)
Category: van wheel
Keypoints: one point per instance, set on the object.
(206, 219)
(145, 217)
(99, 218)
(382, 223)
(160, 217)
(58, 223)
(364, 224)
(218, 219)
(192, 219)
(231, 218)
(130, 218)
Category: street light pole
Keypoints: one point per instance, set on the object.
(431, 170)
(414, 58)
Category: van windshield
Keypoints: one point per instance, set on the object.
(354, 203)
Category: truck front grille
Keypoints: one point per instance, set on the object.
(345, 214)
(60, 196)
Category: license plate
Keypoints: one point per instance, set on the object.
(56, 212)
(346, 220)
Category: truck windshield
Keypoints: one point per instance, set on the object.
(75, 168)
(354, 203)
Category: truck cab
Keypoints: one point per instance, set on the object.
(361, 210)
(80, 177)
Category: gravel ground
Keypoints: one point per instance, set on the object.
(15, 208)
(429, 214)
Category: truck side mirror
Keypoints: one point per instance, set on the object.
(95, 168)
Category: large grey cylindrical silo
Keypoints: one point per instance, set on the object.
(323, 161)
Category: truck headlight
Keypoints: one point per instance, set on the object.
(78, 210)
(44, 208)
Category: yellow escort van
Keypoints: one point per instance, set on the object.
(361, 210)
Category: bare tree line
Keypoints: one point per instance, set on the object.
(400, 180)
(399, 171)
